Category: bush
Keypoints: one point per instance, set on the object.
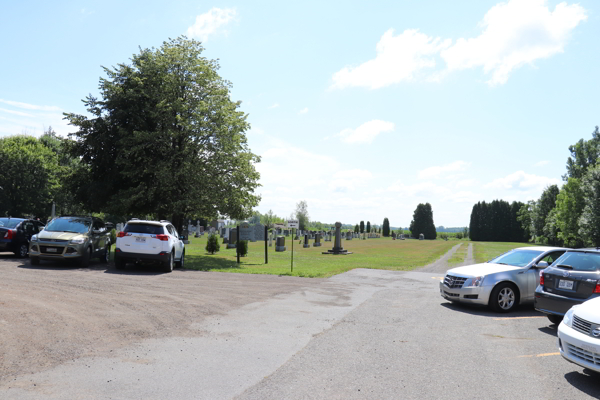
(459, 235)
(243, 248)
(113, 236)
(212, 244)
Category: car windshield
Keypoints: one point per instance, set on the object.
(517, 258)
(10, 222)
(74, 225)
(144, 228)
(579, 261)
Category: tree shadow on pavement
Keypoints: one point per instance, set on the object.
(64, 265)
(586, 381)
(208, 263)
(482, 311)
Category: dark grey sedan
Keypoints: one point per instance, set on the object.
(571, 280)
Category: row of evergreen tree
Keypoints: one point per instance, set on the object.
(497, 222)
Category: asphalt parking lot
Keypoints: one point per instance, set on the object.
(364, 334)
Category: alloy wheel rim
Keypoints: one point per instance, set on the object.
(23, 250)
(506, 298)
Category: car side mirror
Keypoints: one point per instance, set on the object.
(541, 265)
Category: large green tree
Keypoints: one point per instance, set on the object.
(422, 222)
(368, 227)
(302, 215)
(28, 177)
(589, 222)
(386, 227)
(569, 207)
(362, 226)
(584, 155)
(165, 139)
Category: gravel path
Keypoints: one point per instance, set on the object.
(441, 265)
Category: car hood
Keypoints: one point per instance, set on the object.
(590, 310)
(481, 269)
(44, 235)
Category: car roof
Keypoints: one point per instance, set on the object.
(541, 248)
(588, 250)
(146, 222)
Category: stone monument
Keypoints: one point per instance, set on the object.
(317, 242)
(306, 242)
(280, 243)
(337, 245)
(232, 240)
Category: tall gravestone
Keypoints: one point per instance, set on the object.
(337, 245)
(280, 243)
(306, 242)
(259, 232)
(232, 241)
(317, 242)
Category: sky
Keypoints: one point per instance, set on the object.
(361, 109)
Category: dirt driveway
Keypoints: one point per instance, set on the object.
(51, 314)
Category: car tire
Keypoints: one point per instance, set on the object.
(181, 260)
(23, 250)
(105, 258)
(504, 297)
(555, 319)
(85, 258)
(169, 264)
(35, 260)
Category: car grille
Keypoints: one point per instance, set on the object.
(582, 325)
(55, 240)
(454, 282)
(584, 355)
(59, 250)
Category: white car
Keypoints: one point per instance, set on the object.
(503, 282)
(579, 335)
(149, 242)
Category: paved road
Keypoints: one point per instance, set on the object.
(364, 334)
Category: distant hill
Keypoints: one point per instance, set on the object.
(449, 230)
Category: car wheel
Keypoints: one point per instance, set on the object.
(555, 319)
(169, 264)
(23, 250)
(35, 260)
(180, 262)
(106, 255)
(85, 258)
(504, 297)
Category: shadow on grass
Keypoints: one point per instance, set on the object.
(207, 262)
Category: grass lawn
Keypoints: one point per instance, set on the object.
(485, 251)
(382, 253)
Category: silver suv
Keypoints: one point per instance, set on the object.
(149, 242)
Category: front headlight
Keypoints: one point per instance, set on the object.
(475, 282)
(33, 238)
(568, 318)
(78, 240)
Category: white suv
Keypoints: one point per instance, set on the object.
(151, 242)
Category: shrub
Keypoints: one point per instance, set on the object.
(459, 235)
(212, 244)
(243, 248)
(113, 236)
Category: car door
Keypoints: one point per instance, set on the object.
(533, 274)
(178, 244)
(98, 236)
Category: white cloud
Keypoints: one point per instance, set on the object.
(541, 163)
(522, 181)
(515, 33)
(398, 59)
(439, 171)
(348, 180)
(367, 132)
(27, 106)
(13, 121)
(274, 106)
(208, 23)
(303, 111)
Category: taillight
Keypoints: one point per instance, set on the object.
(9, 234)
(121, 234)
(163, 238)
(597, 290)
(542, 277)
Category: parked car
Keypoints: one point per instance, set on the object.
(503, 282)
(155, 242)
(572, 279)
(579, 335)
(71, 238)
(15, 234)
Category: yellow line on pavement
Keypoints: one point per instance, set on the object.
(542, 355)
(500, 319)
(437, 277)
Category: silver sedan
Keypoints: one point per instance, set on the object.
(503, 282)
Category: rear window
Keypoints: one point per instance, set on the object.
(9, 222)
(144, 228)
(580, 261)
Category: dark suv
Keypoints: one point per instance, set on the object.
(572, 279)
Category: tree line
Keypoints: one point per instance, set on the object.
(497, 222)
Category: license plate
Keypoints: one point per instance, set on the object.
(140, 239)
(51, 249)
(565, 284)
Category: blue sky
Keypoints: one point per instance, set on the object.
(363, 109)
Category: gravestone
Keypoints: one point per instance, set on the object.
(328, 237)
(201, 229)
(421, 236)
(232, 241)
(259, 232)
(348, 236)
(306, 242)
(270, 239)
(337, 245)
(317, 242)
(280, 243)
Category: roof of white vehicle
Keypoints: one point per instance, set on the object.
(142, 221)
(541, 248)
